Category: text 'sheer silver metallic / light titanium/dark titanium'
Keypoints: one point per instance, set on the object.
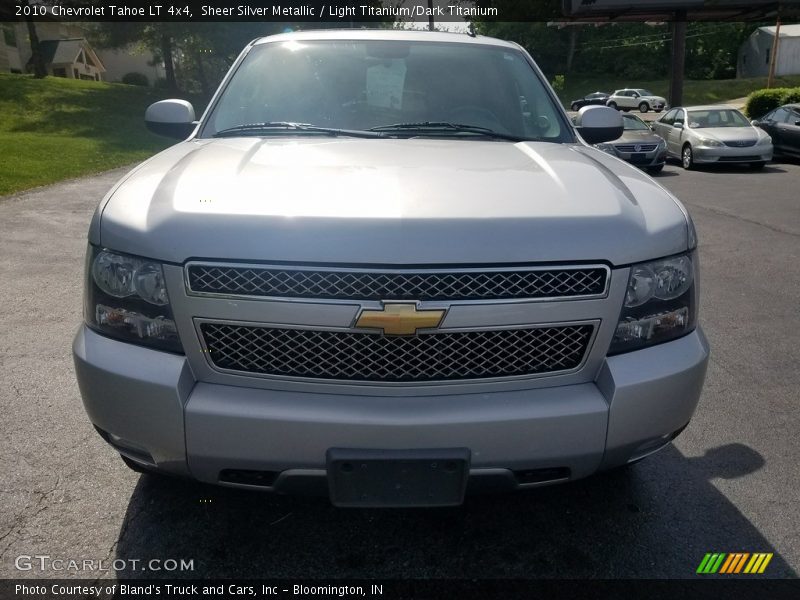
(388, 280)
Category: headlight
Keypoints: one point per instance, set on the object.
(660, 303)
(710, 143)
(126, 298)
(662, 143)
(763, 141)
(607, 148)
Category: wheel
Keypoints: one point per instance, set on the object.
(644, 107)
(575, 107)
(757, 166)
(655, 170)
(687, 157)
(612, 105)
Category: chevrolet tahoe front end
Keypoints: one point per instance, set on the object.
(385, 313)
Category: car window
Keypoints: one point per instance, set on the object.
(669, 118)
(795, 116)
(643, 92)
(680, 116)
(634, 123)
(725, 117)
(360, 84)
(779, 114)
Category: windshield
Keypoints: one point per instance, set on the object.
(645, 92)
(632, 123)
(363, 84)
(699, 119)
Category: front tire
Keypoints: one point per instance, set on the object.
(687, 158)
(644, 107)
(575, 107)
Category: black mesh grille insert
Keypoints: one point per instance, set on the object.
(373, 357)
(423, 285)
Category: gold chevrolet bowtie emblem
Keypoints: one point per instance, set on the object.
(399, 319)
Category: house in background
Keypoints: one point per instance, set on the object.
(71, 58)
(58, 40)
(756, 53)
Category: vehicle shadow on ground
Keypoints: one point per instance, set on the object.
(656, 519)
(725, 169)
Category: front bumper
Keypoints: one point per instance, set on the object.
(151, 409)
(656, 158)
(726, 154)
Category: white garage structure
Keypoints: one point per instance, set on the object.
(756, 53)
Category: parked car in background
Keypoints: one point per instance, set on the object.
(783, 126)
(642, 99)
(595, 99)
(638, 145)
(713, 134)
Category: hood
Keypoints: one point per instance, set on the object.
(389, 201)
(638, 136)
(729, 134)
(654, 98)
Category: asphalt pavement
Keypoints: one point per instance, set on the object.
(729, 483)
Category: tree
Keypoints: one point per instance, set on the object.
(37, 59)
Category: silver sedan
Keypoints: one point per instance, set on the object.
(713, 134)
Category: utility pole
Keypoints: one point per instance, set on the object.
(430, 16)
(773, 58)
(678, 60)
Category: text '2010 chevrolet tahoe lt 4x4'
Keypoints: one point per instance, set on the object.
(385, 267)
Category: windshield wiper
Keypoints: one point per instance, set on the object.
(288, 127)
(442, 126)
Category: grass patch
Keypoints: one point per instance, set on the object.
(694, 91)
(55, 128)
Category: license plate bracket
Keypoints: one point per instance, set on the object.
(397, 478)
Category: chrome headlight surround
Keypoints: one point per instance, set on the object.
(709, 143)
(607, 148)
(126, 299)
(660, 303)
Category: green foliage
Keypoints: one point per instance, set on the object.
(761, 102)
(627, 51)
(792, 96)
(558, 83)
(135, 78)
(56, 128)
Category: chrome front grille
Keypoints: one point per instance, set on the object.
(396, 284)
(439, 356)
(632, 147)
(741, 143)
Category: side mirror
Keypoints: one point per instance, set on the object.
(171, 118)
(797, 123)
(755, 122)
(597, 124)
(678, 125)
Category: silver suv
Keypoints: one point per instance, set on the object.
(385, 267)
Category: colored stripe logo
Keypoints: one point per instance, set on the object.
(734, 563)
